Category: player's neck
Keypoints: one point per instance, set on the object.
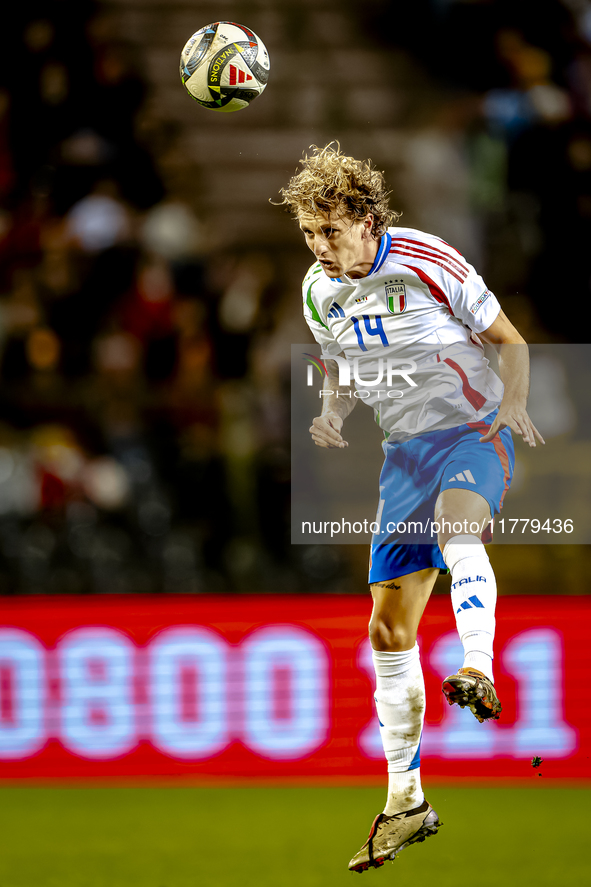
(366, 259)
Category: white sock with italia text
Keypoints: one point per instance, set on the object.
(400, 703)
(474, 598)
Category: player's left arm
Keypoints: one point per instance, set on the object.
(514, 370)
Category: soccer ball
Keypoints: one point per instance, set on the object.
(224, 66)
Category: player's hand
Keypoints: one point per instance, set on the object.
(517, 419)
(326, 432)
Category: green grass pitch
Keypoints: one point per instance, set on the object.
(285, 837)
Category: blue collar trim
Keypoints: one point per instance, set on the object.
(381, 255)
(383, 250)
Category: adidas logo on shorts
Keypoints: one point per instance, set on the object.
(466, 476)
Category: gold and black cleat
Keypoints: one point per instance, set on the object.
(471, 688)
(391, 834)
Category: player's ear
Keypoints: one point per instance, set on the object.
(367, 225)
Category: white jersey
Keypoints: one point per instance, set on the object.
(419, 308)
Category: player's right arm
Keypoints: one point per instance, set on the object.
(336, 406)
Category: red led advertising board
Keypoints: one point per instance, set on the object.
(264, 687)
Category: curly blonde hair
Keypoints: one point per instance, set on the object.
(331, 182)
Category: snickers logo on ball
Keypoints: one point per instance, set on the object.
(395, 296)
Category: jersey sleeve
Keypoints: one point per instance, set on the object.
(313, 318)
(451, 280)
(473, 302)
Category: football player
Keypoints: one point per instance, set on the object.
(406, 310)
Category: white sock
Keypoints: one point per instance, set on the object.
(473, 597)
(400, 703)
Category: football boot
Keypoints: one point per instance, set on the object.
(391, 834)
(470, 687)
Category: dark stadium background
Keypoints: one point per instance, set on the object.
(144, 434)
(149, 295)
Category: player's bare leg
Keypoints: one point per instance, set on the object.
(473, 595)
(400, 701)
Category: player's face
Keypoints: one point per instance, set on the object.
(342, 245)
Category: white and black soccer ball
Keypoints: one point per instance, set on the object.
(224, 66)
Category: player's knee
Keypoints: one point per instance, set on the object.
(388, 637)
(460, 513)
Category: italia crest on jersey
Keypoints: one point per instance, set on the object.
(395, 296)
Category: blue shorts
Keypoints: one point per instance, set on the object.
(413, 475)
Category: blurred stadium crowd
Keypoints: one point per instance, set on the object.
(144, 387)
